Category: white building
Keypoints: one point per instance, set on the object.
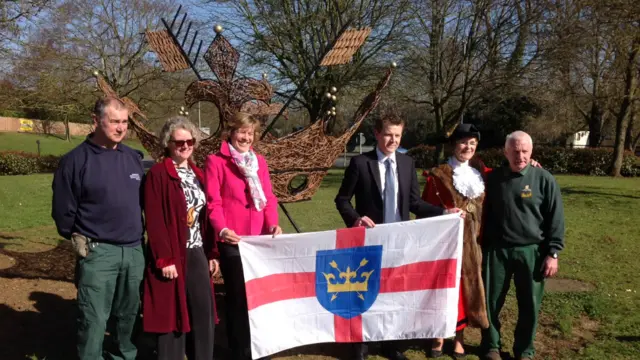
(579, 140)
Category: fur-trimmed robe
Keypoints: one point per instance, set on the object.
(440, 191)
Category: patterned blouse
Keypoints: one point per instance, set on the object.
(195, 203)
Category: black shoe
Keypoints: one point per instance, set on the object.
(493, 354)
(433, 353)
(457, 355)
(394, 355)
(359, 352)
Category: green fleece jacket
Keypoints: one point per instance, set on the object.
(523, 208)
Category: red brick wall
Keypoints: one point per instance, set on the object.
(8, 124)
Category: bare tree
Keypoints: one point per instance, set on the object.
(584, 57)
(44, 84)
(12, 12)
(287, 38)
(463, 50)
(107, 36)
(629, 52)
(52, 72)
(633, 134)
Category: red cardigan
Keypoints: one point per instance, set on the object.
(165, 207)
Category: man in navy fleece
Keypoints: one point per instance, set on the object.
(97, 204)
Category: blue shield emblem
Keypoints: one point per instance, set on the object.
(348, 280)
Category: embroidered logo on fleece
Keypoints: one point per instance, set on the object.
(526, 192)
(134, 177)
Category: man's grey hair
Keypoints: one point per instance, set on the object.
(101, 105)
(518, 136)
(173, 124)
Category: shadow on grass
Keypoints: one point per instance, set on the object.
(55, 264)
(57, 136)
(628, 338)
(573, 191)
(9, 237)
(48, 332)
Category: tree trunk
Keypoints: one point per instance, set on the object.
(622, 121)
(635, 143)
(436, 65)
(315, 103)
(595, 125)
(628, 139)
(618, 150)
(67, 131)
(315, 113)
(517, 55)
(438, 156)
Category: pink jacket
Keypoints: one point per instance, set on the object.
(228, 200)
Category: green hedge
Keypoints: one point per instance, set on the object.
(22, 163)
(557, 160)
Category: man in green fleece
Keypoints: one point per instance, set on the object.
(523, 234)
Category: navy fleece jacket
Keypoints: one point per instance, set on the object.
(97, 193)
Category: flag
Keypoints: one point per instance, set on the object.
(393, 281)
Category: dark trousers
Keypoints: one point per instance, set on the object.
(236, 309)
(198, 343)
(524, 264)
(108, 281)
(387, 349)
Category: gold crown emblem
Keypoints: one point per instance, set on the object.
(348, 285)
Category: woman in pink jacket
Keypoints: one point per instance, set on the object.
(240, 202)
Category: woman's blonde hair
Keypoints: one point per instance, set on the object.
(172, 124)
(240, 120)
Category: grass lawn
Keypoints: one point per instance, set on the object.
(600, 319)
(49, 144)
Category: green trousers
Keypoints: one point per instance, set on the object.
(108, 281)
(524, 264)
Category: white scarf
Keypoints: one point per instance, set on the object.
(467, 180)
(248, 164)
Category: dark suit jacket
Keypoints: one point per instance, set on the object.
(362, 179)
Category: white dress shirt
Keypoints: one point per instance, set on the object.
(383, 173)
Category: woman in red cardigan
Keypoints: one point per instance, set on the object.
(178, 291)
(460, 183)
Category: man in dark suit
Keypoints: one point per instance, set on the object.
(385, 185)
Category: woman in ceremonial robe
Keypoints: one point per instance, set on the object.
(460, 183)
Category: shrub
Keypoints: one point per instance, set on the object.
(22, 163)
(491, 157)
(558, 160)
(630, 165)
(48, 163)
(423, 156)
(13, 113)
(589, 161)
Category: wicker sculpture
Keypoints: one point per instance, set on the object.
(307, 154)
(345, 47)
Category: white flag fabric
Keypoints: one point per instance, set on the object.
(393, 281)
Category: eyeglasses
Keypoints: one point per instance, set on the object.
(180, 143)
(472, 142)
